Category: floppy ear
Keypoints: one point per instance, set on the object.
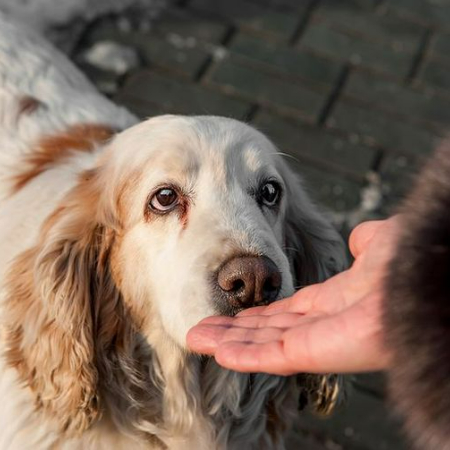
(315, 249)
(53, 308)
(316, 252)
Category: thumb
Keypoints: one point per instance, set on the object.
(361, 236)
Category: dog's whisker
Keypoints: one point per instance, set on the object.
(286, 155)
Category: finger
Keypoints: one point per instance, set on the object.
(362, 235)
(345, 342)
(254, 357)
(204, 338)
(217, 320)
(255, 311)
(322, 298)
(301, 302)
(251, 335)
(288, 304)
(281, 320)
(305, 348)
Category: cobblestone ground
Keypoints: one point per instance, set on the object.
(356, 92)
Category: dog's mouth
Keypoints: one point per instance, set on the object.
(228, 310)
(224, 306)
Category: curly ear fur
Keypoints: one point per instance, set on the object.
(416, 309)
(55, 292)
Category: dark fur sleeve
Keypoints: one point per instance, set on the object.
(417, 308)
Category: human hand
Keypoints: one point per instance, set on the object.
(332, 326)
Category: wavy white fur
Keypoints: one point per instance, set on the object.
(97, 294)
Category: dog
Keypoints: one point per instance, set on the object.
(119, 236)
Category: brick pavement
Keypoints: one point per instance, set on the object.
(356, 91)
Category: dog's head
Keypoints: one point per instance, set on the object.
(212, 221)
(183, 217)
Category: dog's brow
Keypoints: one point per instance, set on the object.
(252, 159)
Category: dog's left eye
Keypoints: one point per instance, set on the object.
(164, 200)
(269, 193)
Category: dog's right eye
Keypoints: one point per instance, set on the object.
(164, 200)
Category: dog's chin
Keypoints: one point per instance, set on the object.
(224, 308)
(228, 310)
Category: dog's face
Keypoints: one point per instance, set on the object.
(203, 220)
(182, 218)
(203, 205)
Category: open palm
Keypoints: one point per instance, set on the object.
(333, 326)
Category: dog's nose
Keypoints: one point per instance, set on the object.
(249, 281)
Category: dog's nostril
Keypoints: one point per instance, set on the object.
(237, 285)
(270, 285)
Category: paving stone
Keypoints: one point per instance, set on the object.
(332, 191)
(398, 171)
(365, 423)
(252, 16)
(312, 144)
(106, 82)
(336, 44)
(283, 4)
(169, 55)
(267, 89)
(435, 74)
(178, 97)
(381, 130)
(389, 30)
(110, 28)
(440, 46)
(425, 12)
(182, 23)
(310, 68)
(364, 4)
(173, 20)
(141, 108)
(411, 103)
(154, 49)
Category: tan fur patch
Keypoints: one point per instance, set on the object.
(54, 148)
(54, 312)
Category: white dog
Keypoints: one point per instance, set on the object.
(114, 243)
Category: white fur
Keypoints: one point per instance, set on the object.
(164, 264)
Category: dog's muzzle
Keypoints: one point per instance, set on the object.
(248, 281)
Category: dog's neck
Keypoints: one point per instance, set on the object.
(160, 395)
(172, 397)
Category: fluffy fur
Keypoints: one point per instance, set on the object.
(417, 308)
(98, 292)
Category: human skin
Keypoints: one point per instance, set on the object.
(334, 326)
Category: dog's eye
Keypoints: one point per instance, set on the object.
(269, 193)
(164, 200)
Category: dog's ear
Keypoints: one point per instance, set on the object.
(315, 249)
(316, 252)
(55, 293)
